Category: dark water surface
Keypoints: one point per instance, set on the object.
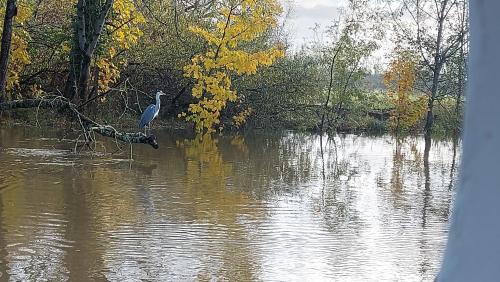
(258, 207)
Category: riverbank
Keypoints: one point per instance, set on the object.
(365, 119)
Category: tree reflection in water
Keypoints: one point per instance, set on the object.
(259, 206)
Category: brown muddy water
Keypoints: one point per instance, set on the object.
(254, 207)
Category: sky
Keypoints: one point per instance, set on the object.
(306, 13)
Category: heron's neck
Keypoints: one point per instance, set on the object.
(158, 102)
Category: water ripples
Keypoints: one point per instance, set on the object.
(364, 210)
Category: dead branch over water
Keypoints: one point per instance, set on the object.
(88, 125)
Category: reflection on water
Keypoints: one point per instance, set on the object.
(285, 207)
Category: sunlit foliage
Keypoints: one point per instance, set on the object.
(236, 23)
(19, 56)
(124, 31)
(241, 118)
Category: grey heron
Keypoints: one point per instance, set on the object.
(150, 113)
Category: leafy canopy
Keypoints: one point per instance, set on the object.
(399, 80)
(235, 25)
(124, 30)
(19, 56)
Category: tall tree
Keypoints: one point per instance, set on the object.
(10, 13)
(432, 29)
(344, 56)
(455, 74)
(235, 24)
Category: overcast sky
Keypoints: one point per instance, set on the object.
(307, 13)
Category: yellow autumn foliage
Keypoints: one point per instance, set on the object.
(399, 80)
(241, 118)
(19, 56)
(237, 22)
(124, 26)
(122, 31)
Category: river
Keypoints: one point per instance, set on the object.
(278, 206)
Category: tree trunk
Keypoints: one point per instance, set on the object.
(437, 66)
(77, 85)
(10, 13)
(435, 85)
(71, 87)
(83, 84)
(330, 87)
(89, 24)
(430, 115)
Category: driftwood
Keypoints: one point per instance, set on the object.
(88, 125)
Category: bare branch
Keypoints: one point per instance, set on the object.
(88, 124)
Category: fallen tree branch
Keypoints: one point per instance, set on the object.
(88, 124)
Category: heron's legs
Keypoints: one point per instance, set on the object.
(147, 128)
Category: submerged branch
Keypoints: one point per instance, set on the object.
(88, 124)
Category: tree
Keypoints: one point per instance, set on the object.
(115, 25)
(89, 23)
(14, 50)
(10, 13)
(344, 57)
(346, 71)
(122, 32)
(399, 80)
(234, 26)
(434, 34)
(46, 40)
(284, 95)
(455, 73)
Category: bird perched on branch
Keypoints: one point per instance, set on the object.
(150, 113)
